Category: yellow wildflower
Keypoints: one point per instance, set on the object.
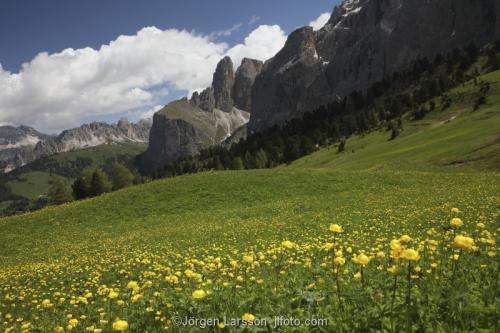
(463, 242)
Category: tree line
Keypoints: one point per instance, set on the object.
(93, 183)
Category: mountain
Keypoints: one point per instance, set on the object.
(22, 145)
(94, 134)
(363, 42)
(184, 127)
(16, 145)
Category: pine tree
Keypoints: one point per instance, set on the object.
(261, 159)
(237, 164)
(59, 193)
(121, 176)
(80, 188)
(342, 145)
(99, 183)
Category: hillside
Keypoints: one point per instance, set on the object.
(221, 234)
(458, 136)
(33, 180)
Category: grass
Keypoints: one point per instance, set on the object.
(31, 185)
(457, 136)
(183, 110)
(253, 245)
(34, 179)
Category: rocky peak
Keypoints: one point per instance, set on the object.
(284, 80)
(364, 41)
(204, 100)
(222, 84)
(123, 123)
(243, 82)
(299, 47)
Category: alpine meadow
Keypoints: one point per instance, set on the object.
(349, 182)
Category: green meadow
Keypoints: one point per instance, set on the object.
(387, 236)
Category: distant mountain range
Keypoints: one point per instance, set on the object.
(22, 145)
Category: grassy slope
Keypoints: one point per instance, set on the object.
(162, 211)
(202, 120)
(457, 136)
(233, 208)
(183, 110)
(34, 179)
(125, 235)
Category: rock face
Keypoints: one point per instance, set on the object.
(16, 146)
(222, 85)
(22, 145)
(171, 139)
(363, 41)
(183, 128)
(243, 83)
(94, 134)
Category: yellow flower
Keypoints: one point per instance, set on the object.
(380, 254)
(135, 298)
(199, 294)
(73, 322)
(133, 285)
(335, 228)
(288, 245)
(455, 210)
(248, 317)
(361, 259)
(113, 294)
(221, 325)
(357, 275)
(58, 329)
(463, 242)
(339, 261)
(120, 325)
(456, 222)
(46, 304)
(394, 269)
(395, 244)
(405, 239)
(410, 254)
(480, 225)
(248, 259)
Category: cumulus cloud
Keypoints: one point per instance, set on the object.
(320, 21)
(56, 91)
(262, 43)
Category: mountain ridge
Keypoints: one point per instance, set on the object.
(27, 145)
(364, 41)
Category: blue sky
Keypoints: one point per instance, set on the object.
(29, 27)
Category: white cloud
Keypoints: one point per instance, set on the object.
(56, 91)
(228, 32)
(262, 43)
(254, 19)
(149, 114)
(320, 21)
